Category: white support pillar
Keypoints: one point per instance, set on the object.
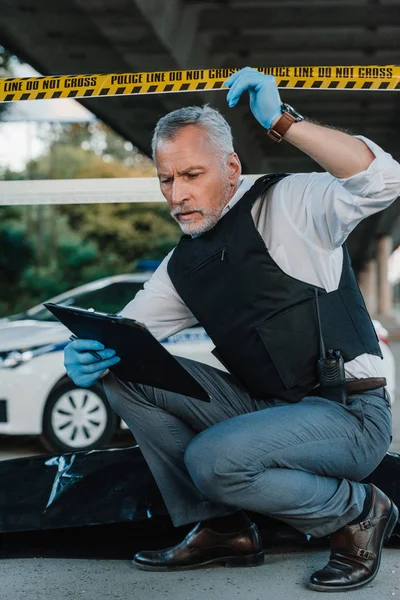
(384, 248)
(368, 282)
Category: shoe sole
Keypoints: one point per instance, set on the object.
(253, 560)
(391, 524)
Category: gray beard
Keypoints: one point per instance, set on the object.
(208, 221)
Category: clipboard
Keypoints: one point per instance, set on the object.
(143, 359)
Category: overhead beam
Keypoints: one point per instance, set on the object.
(19, 29)
(269, 57)
(133, 117)
(176, 25)
(359, 40)
(299, 15)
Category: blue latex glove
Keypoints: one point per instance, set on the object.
(82, 367)
(265, 102)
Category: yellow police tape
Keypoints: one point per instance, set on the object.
(160, 82)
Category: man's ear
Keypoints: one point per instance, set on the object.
(234, 168)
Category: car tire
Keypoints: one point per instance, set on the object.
(77, 419)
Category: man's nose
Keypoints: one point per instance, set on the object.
(180, 192)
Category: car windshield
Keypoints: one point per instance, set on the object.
(109, 299)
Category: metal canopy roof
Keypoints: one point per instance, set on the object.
(105, 36)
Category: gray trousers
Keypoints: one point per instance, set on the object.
(300, 463)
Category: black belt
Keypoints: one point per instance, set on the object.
(361, 386)
(366, 384)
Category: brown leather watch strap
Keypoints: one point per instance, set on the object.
(277, 132)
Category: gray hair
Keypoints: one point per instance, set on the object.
(205, 116)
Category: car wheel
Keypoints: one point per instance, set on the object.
(77, 419)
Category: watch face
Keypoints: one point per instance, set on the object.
(289, 109)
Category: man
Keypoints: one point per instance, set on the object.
(252, 267)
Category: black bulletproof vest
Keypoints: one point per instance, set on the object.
(262, 321)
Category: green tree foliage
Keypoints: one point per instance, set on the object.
(126, 232)
(5, 58)
(131, 231)
(73, 244)
(16, 255)
(74, 151)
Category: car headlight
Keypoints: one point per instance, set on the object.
(14, 358)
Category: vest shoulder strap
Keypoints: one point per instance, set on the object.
(259, 187)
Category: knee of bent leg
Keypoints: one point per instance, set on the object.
(112, 389)
(209, 466)
(130, 400)
(120, 395)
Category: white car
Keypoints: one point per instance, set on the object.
(36, 395)
(38, 398)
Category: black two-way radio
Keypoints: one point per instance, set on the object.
(330, 365)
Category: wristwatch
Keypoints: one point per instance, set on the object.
(289, 116)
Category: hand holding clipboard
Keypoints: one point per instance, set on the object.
(143, 359)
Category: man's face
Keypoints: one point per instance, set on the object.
(195, 180)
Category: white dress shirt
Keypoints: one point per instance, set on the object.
(304, 219)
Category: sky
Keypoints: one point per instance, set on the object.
(19, 140)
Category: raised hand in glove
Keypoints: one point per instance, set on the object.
(265, 102)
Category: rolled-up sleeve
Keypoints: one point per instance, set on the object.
(326, 209)
(159, 306)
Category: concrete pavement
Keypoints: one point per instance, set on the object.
(283, 576)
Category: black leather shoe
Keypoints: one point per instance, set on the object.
(203, 546)
(356, 549)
